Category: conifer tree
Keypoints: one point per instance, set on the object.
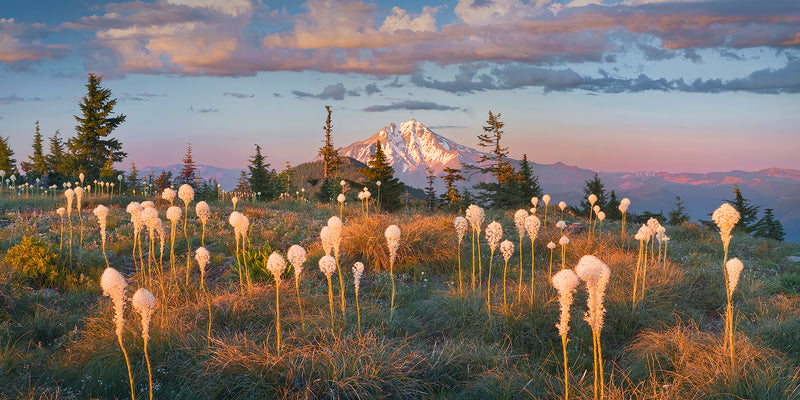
(430, 192)
(36, 167)
(612, 207)
(593, 186)
(93, 147)
(496, 193)
(379, 169)
(7, 162)
(451, 198)
(328, 153)
(286, 179)
(262, 179)
(527, 182)
(769, 227)
(189, 171)
(55, 159)
(747, 210)
(163, 180)
(243, 184)
(677, 215)
(133, 178)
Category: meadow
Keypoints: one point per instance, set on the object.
(416, 329)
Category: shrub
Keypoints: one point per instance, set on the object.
(33, 259)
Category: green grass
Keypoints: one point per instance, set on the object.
(59, 342)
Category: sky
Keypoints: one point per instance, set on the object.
(609, 85)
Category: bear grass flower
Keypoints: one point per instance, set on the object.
(733, 268)
(461, 225)
(392, 235)
(494, 233)
(326, 236)
(61, 211)
(276, 266)
(520, 220)
(173, 215)
(203, 212)
(596, 275)
(169, 195)
(327, 265)
(546, 200)
(186, 194)
(234, 200)
(144, 303)
(563, 242)
(475, 216)
(358, 270)
(532, 226)
(78, 200)
(113, 285)
(565, 282)
(101, 212)
(135, 210)
(335, 226)
(203, 257)
(507, 249)
(69, 194)
(297, 257)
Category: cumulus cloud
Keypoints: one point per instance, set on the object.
(21, 43)
(239, 95)
(411, 105)
(402, 20)
(330, 92)
(11, 99)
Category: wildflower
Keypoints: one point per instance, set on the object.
(113, 285)
(596, 274)
(101, 212)
(203, 212)
(60, 211)
(327, 239)
(546, 199)
(461, 226)
(734, 267)
(277, 265)
(534, 201)
(148, 204)
(494, 232)
(168, 195)
(327, 265)
(297, 256)
(234, 200)
(358, 270)
(507, 249)
(392, 235)
(144, 303)
(520, 220)
(475, 216)
(563, 241)
(561, 225)
(565, 282)
(186, 193)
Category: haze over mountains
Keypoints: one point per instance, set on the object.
(412, 147)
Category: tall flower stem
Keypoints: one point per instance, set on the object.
(533, 271)
(519, 281)
(473, 261)
(300, 302)
(460, 280)
(172, 249)
(128, 364)
(391, 274)
(341, 283)
(480, 267)
(330, 298)
(149, 371)
(505, 302)
(566, 370)
(358, 314)
(489, 284)
(188, 246)
(278, 316)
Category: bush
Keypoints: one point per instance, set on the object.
(33, 259)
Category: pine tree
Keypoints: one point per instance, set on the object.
(612, 207)
(262, 179)
(678, 214)
(7, 162)
(163, 180)
(451, 198)
(36, 167)
(93, 147)
(769, 227)
(328, 153)
(747, 211)
(286, 179)
(189, 172)
(430, 192)
(391, 188)
(133, 178)
(593, 186)
(496, 193)
(55, 159)
(243, 184)
(528, 182)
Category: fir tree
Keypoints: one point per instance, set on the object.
(678, 214)
(451, 198)
(243, 184)
(612, 207)
(133, 178)
(391, 188)
(769, 227)
(286, 179)
(430, 192)
(163, 180)
(93, 147)
(7, 162)
(36, 167)
(528, 182)
(593, 186)
(328, 153)
(747, 210)
(189, 171)
(262, 179)
(495, 193)
(55, 159)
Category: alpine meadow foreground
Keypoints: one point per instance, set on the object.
(439, 313)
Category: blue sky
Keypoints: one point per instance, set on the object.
(681, 86)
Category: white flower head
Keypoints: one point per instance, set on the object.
(546, 199)
(734, 266)
(507, 248)
(148, 204)
(726, 217)
(475, 216)
(341, 198)
(596, 274)
(626, 201)
(392, 235)
(532, 225)
(203, 257)
(601, 216)
(461, 225)
(494, 232)
(174, 213)
(327, 265)
(203, 211)
(276, 265)
(79, 196)
(101, 212)
(144, 303)
(296, 256)
(69, 194)
(592, 199)
(335, 224)
(551, 245)
(519, 222)
(186, 193)
(563, 241)
(61, 211)
(534, 201)
(562, 205)
(561, 224)
(358, 270)
(596, 209)
(168, 195)
(327, 239)
(565, 281)
(113, 285)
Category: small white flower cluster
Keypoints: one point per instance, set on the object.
(101, 212)
(565, 281)
(113, 285)
(519, 222)
(69, 194)
(186, 193)
(78, 197)
(174, 213)
(240, 224)
(562, 205)
(551, 245)
(358, 270)
(144, 303)
(296, 256)
(532, 225)
(475, 216)
(734, 266)
(326, 236)
(563, 241)
(596, 274)
(561, 225)
(726, 217)
(507, 248)
(276, 265)
(168, 195)
(327, 265)
(392, 234)
(203, 211)
(624, 204)
(203, 257)
(335, 226)
(461, 226)
(494, 232)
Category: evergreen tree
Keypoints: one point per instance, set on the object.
(56, 159)
(133, 178)
(36, 167)
(328, 153)
(163, 180)
(93, 147)
(391, 188)
(189, 171)
(678, 214)
(262, 179)
(747, 211)
(286, 179)
(7, 162)
(496, 193)
(243, 184)
(528, 182)
(430, 192)
(451, 198)
(769, 227)
(593, 186)
(612, 207)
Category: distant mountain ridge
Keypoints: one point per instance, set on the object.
(226, 177)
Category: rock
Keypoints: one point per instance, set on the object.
(795, 259)
(574, 229)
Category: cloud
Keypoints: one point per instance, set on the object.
(204, 110)
(239, 95)
(11, 99)
(462, 83)
(22, 44)
(447, 127)
(139, 96)
(402, 20)
(330, 92)
(411, 105)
